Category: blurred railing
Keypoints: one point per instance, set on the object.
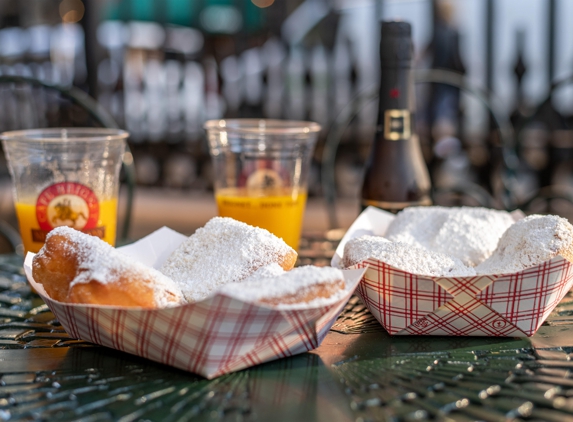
(160, 83)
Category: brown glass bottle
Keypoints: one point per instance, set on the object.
(396, 175)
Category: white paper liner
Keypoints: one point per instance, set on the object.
(215, 336)
(508, 305)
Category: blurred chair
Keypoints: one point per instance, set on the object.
(542, 199)
(28, 103)
(462, 188)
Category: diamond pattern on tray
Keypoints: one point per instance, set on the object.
(211, 337)
(507, 305)
(526, 298)
(396, 298)
(464, 316)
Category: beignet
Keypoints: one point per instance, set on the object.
(224, 251)
(76, 267)
(300, 285)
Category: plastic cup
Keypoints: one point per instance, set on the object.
(261, 172)
(65, 177)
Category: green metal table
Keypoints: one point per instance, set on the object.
(359, 373)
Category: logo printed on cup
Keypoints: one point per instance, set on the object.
(264, 179)
(67, 204)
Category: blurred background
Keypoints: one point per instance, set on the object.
(163, 67)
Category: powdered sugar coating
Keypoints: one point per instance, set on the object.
(470, 234)
(407, 257)
(527, 243)
(223, 251)
(289, 283)
(268, 271)
(100, 262)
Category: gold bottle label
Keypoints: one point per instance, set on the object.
(397, 125)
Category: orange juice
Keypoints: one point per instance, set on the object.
(280, 211)
(33, 233)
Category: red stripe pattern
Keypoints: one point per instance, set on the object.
(512, 305)
(213, 337)
(526, 298)
(396, 298)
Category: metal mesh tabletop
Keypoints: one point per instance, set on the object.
(358, 373)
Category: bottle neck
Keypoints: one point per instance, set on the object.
(396, 103)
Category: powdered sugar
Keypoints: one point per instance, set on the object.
(527, 243)
(223, 251)
(407, 257)
(434, 241)
(467, 233)
(289, 283)
(268, 271)
(101, 262)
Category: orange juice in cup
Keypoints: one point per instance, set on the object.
(65, 177)
(279, 212)
(261, 171)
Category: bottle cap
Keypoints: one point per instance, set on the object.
(396, 46)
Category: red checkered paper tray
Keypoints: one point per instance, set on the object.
(218, 335)
(508, 305)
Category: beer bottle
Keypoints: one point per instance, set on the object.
(396, 175)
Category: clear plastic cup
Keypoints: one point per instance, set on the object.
(65, 177)
(261, 171)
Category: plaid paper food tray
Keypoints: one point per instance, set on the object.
(507, 305)
(218, 335)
